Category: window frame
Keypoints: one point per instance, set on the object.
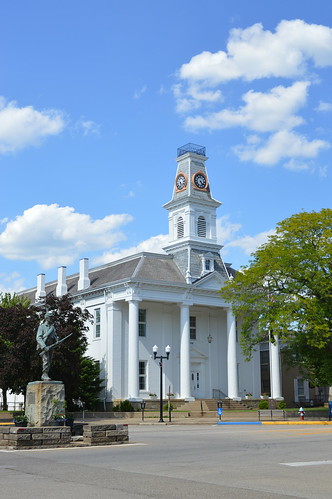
(142, 375)
(193, 327)
(142, 323)
(97, 323)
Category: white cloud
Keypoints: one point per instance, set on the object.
(154, 244)
(11, 283)
(282, 144)
(324, 106)
(294, 50)
(130, 194)
(262, 112)
(54, 235)
(226, 229)
(88, 127)
(295, 165)
(21, 127)
(249, 244)
(184, 103)
(138, 93)
(254, 53)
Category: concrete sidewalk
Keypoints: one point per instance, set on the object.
(228, 417)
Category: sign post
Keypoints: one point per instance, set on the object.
(330, 410)
(219, 409)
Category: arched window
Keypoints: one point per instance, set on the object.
(201, 227)
(180, 227)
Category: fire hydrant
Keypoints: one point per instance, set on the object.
(301, 414)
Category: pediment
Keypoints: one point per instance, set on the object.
(213, 281)
(196, 354)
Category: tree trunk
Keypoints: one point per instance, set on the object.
(4, 399)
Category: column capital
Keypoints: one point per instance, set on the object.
(112, 305)
(186, 303)
(133, 292)
(133, 298)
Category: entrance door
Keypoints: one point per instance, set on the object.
(195, 383)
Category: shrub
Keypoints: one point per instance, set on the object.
(263, 404)
(123, 406)
(281, 404)
(166, 407)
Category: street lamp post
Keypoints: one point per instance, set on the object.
(142, 408)
(209, 338)
(161, 357)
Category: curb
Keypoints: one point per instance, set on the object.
(241, 422)
(276, 423)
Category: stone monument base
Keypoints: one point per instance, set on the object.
(43, 399)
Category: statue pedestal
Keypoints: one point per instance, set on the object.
(43, 398)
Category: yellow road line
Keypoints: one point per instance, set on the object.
(296, 422)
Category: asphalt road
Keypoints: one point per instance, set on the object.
(180, 462)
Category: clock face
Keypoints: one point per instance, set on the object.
(180, 182)
(200, 181)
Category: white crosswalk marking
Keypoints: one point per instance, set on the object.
(308, 463)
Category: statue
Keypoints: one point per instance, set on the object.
(47, 339)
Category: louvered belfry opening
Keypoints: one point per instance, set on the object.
(201, 227)
(180, 227)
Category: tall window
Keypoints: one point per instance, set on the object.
(180, 227)
(193, 328)
(142, 322)
(265, 371)
(300, 388)
(97, 322)
(142, 375)
(201, 227)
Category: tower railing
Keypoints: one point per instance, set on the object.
(201, 150)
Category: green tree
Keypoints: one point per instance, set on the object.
(17, 347)
(90, 384)
(8, 300)
(286, 291)
(20, 362)
(67, 362)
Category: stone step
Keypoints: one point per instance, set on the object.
(211, 405)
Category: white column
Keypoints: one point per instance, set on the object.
(210, 372)
(275, 370)
(133, 359)
(113, 347)
(185, 385)
(231, 356)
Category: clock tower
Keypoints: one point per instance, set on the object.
(192, 217)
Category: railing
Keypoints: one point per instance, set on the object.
(201, 150)
(218, 394)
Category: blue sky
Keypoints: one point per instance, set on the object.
(97, 96)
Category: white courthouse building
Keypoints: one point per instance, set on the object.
(170, 299)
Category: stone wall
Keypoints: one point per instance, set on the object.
(105, 434)
(60, 436)
(50, 436)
